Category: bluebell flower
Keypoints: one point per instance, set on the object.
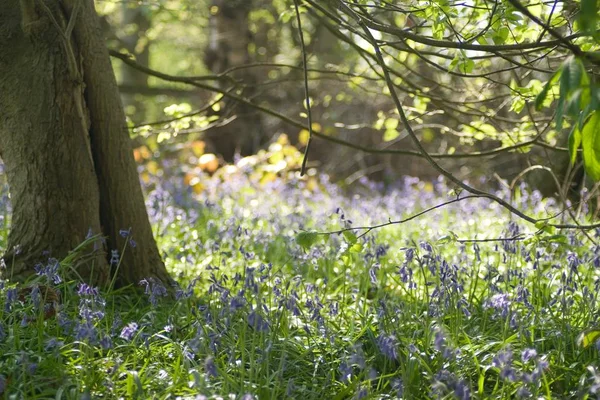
(508, 374)
(209, 367)
(358, 357)
(373, 273)
(11, 297)
(440, 344)
(523, 392)
(154, 289)
(114, 257)
(500, 302)
(528, 354)
(345, 371)
(50, 271)
(256, 321)
(129, 331)
(86, 331)
(398, 386)
(106, 342)
(83, 289)
(361, 393)
(53, 343)
(504, 357)
(462, 390)
(388, 345)
(409, 254)
(426, 246)
(64, 322)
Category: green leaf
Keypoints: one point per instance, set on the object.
(466, 66)
(501, 35)
(588, 15)
(451, 237)
(356, 248)
(588, 337)
(575, 73)
(350, 237)
(390, 134)
(556, 238)
(590, 142)
(307, 239)
(565, 81)
(540, 225)
(539, 100)
(574, 143)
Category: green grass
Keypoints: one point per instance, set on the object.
(410, 312)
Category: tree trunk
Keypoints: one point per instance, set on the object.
(228, 41)
(66, 148)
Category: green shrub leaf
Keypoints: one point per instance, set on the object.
(350, 237)
(574, 143)
(590, 142)
(588, 337)
(307, 239)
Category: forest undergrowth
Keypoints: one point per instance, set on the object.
(271, 307)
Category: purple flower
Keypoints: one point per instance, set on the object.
(11, 297)
(508, 374)
(388, 346)
(462, 390)
(83, 289)
(398, 386)
(426, 246)
(345, 371)
(256, 321)
(373, 273)
(36, 297)
(114, 257)
(500, 302)
(503, 358)
(361, 393)
(64, 322)
(86, 331)
(409, 255)
(31, 368)
(129, 331)
(439, 343)
(528, 354)
(50, 271)
(154, 289)
(209, 366)
(53, 343)
(91, 304)
(358, 357)
(106, 342)
(523, 392)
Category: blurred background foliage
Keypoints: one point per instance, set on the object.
(475, 76)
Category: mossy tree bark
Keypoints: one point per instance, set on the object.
(65, 144)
